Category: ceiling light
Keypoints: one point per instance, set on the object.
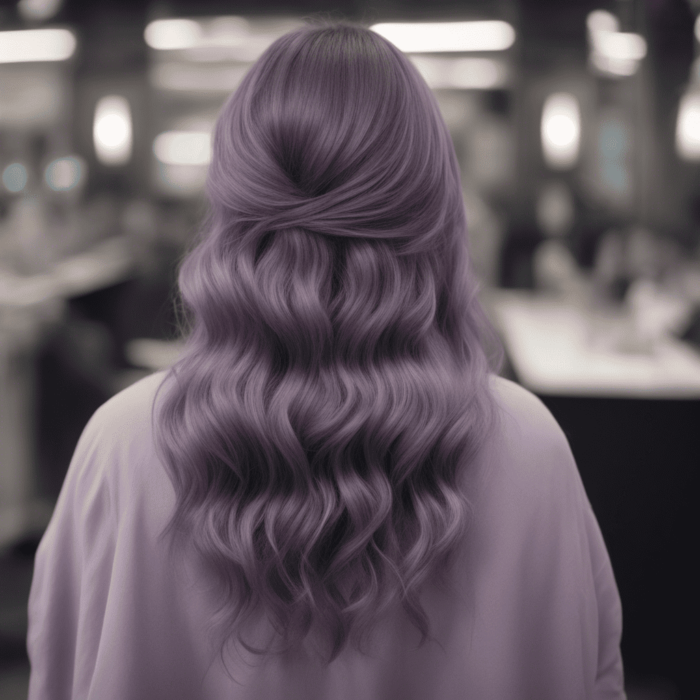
(183, 147)
(29, 45)
(688, 127)
(602, 21)
(462, 73)
(561, 130)
(439, 37)
(112, 130)
(169, 34)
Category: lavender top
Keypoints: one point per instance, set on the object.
(532, 611)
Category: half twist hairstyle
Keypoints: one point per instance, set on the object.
(334, 383)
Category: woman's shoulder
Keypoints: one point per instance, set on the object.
(115, 445)
(524, 416)
(120, 430)
(530, 444)
(130, 410)
(520, 402)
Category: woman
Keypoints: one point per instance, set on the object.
(335, 497)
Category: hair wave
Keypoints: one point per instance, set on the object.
(334, 382)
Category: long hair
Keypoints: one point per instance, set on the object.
(334, 383)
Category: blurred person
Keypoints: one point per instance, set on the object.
(554, 266)
(481, 167)
(330, 494)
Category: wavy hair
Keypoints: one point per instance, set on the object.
(334, 382)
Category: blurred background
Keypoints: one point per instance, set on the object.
(577, 127)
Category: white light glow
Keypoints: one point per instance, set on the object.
(169, 34)
(28, 45)
(112, 130)
(38, 10)
(439, 37)
(462, 73)
(561, 130)
(688, 127)
(620, 46)
(15, 177)
(697, 28)
(181, 33)
(183, 147)
(602, 21)
(64, 174)
(620, 67)
(613, 52)
(222, 39)
(180, 180)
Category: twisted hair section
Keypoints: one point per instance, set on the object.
(334, 384)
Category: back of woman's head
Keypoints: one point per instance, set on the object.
(333, 385)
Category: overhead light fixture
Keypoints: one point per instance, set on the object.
(620, 46)
(183, 147)
(38, 10)
(34, 45)
(561, 130)
(170, 34)
(217, 39)
(613, 52)
(602, 21)
(618, 55)
(184, 33)
(688, 127)
(440, 37)
(112, 130)
(462, 73)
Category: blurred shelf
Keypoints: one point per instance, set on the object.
(105, 264)
(550, 343)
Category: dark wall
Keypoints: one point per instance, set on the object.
(639, 463)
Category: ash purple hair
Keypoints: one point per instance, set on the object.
(334, 382)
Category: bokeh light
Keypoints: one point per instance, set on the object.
(15, 177)
(64, 174)
(561, 130)
(112, 130)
